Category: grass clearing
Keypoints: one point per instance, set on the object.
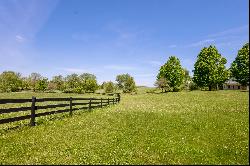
(198, 127)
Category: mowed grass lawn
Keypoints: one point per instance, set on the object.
(198, 127)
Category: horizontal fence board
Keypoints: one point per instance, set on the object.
(73, 104)
(52, 106)
(95, 102)
(2, 121)
(81, 99)
(91, 103)
(9, 110)
(51, 112)
(52, 99)
(92, 99)
(106, 102)
(5, 101)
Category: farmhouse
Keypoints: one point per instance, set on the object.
(233, 85)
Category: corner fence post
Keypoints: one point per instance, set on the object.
(70, 106)
(33, 111)
(90, 104)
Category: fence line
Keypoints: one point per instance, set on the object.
(92, 103)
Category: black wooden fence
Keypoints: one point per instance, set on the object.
(91, 103)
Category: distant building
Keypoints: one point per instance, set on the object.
(233, 85)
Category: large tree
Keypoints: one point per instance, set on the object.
(72, 81)
(162, 84)
(42, 84)
(240, 66)
(126, 83)
(88, 82)
(10, 81)
(90, 85)
(58, 82)
(209, 69)
(109, 87)
(86, 76)
(173, 72)
(33, 79)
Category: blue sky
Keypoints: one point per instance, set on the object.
(111, 37)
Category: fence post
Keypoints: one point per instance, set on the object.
(70, 106)
(108, 101)
(119, 97)
(33, 111)
(101, 102)
(113, 101)
(90, 104)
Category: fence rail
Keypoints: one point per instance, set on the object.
(91, 103)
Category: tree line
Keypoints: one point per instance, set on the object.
(11, 81)
(209, 71)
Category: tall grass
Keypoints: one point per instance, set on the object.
(197, 127)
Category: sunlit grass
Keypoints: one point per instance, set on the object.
(197, 127)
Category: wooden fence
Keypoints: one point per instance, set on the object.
(91, 103)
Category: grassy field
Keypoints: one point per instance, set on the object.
(198, 127)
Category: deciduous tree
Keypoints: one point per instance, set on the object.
(162, 83)
(10, 81)
(173, 72)
(209, 69)
(126, 83)
(240, 66)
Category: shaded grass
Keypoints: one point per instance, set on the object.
(173, 128)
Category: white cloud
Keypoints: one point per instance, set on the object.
(172, 46)
(155, 63)
(20, 39)
(201, 43)
(75, 70)
(20, 22)
(232, 31)
(119, 67)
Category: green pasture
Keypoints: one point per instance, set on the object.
(198, 127)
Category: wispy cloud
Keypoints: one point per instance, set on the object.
(126, 35)
(20, 22)
(201, 43)
(154, 63)
(223, 38)
(233, 31)
(74, 70)
(172, 46)
(119, 67)
(20, 39)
